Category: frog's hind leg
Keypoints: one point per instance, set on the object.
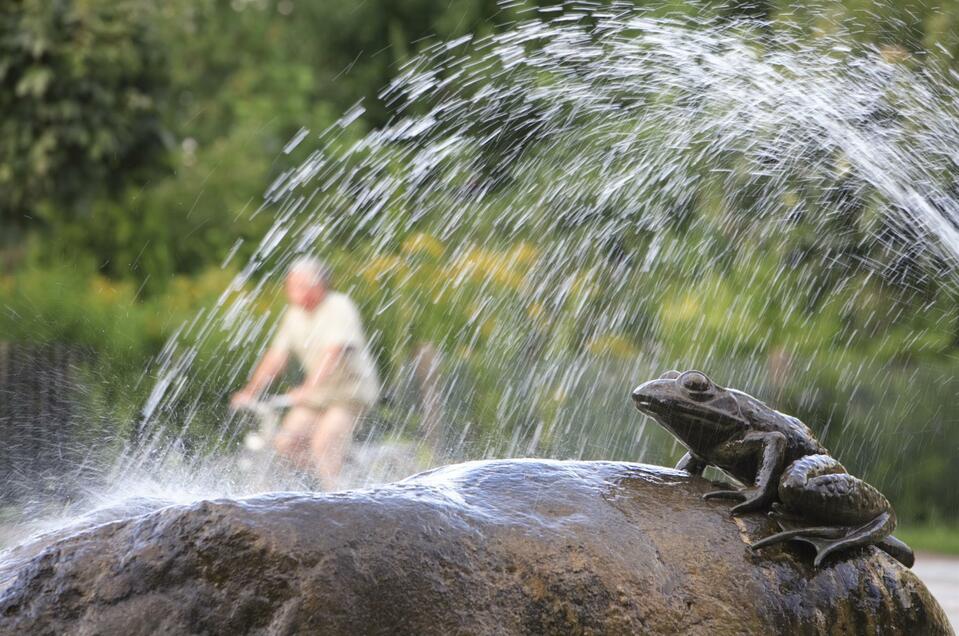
(872, 532)
(829, 539)
(816, 488)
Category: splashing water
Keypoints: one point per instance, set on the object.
(561, 210)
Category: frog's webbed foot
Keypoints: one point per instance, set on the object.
(829, 539)
(818, 536)
(752, 499)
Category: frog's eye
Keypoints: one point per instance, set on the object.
(695, 382)
(669, 375)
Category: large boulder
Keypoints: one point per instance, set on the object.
(499, 547)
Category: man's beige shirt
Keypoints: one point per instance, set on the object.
(334, 323)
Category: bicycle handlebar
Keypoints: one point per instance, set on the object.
(268, 404)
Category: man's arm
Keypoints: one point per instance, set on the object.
(266, 371)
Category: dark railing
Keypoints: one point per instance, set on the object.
(39, 387)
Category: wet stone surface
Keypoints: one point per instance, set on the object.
(497, 547)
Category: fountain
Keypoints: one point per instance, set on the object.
(558, 210)
(570, 190)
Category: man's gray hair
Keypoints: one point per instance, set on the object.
(312, 267)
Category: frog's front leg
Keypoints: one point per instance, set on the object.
(691, 464)
(772, 447)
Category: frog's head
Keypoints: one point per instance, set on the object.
(692, 407)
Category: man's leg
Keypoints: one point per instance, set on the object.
(331, 441)
(292, 441)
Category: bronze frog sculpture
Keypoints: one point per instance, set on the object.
(808, 492)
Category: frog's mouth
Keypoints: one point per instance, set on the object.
(688, 412)
(669, 409)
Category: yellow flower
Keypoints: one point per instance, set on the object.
(500, 268)
(380, 268)
(523, 253)
(614, 345)
(108, 290)
(505, 276)
(681, 309)
(422, 243)
(487, 326)
(536, 311)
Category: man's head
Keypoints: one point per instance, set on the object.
(306, 282)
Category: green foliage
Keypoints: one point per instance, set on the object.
(222, 85)
(142, 134)
(924, 29)
(80, 92)
(932, 537)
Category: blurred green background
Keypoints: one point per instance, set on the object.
(137, 137)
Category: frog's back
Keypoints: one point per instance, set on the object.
(800, 440)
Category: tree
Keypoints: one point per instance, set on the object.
(81, 83)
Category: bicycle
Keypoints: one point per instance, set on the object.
(373, 461)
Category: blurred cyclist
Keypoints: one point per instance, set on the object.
(323, 331)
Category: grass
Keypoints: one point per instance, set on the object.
(940, 538)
